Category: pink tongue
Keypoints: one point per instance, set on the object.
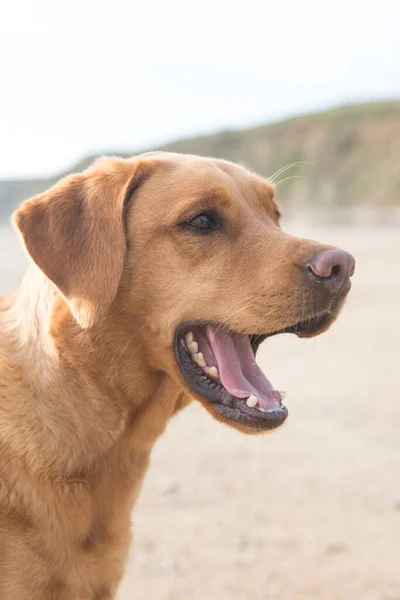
(238, 370)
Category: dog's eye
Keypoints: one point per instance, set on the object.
(205, 223)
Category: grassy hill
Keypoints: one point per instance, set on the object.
(345, 157)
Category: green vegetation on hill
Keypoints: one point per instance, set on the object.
(344, 157)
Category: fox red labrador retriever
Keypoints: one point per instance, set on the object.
(153, 282)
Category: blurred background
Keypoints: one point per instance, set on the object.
(311, 511)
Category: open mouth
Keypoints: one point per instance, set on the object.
(219, 365)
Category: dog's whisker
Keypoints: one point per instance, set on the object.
(286, 168)
(141, 344)
(129, 341)
(287, 179)
(228, 315)
(282, 170)
(236, 312)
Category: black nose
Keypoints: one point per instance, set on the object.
(332, 268)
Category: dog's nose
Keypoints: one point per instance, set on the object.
(332, 268)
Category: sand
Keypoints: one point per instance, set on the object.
(309, 512)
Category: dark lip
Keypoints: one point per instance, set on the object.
(309, 327)
(230, 408)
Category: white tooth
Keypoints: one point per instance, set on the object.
(193, 347)
(282, 395)
(252, 401)
(263, 410)
(189, 338)
(212, 372)
(199, 359)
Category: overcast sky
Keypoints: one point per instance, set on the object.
(83, 76)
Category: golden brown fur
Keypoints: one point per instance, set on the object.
(88, 377)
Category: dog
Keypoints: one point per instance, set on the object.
(153, 281)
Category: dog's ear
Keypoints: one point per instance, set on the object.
(75, 233)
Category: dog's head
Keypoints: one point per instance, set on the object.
(192, 248)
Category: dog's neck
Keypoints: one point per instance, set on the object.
(91, 395)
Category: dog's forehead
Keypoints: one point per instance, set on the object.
(201, 177)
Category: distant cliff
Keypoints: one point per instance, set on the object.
(344, 157)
